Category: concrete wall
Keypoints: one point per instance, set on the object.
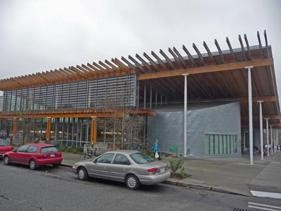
(167, 127)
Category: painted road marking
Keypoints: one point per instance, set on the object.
(266, 194)
(266, 207)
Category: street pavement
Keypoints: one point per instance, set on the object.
(58, 189)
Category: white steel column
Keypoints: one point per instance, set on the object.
(267, 137)
(271, 142)
(185, 117)
(261, 128)
(250, 103)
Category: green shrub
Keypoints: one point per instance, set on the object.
(177, 168)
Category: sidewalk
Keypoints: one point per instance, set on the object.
(233, 175)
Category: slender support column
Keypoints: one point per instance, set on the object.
(267, 137)
(156, 98)
(250, 104)
(15, 128)
(150, 96)
(261, 128)
(185, 117)
(48, 130)
(144, 95)
(271, 141)
(93, 131)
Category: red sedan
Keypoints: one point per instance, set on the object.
(5, 147)
(34, 155)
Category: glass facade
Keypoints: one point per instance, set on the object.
(222, 144)
(101, 93)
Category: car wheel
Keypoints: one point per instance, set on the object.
(132, 182)
(82, 173)
(32, 165)
(6, 160)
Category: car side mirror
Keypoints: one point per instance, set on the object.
(15, 149)
(95, 160)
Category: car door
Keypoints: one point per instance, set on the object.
(19, 155)
(99, 166)
(119, 167)
(31, 150)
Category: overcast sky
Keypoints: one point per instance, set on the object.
(39, 35)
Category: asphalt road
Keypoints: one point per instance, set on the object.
(58, 189)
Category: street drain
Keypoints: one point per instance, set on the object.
(239, 209)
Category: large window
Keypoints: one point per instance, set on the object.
(101, 93)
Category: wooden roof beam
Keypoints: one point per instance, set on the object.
(104, 65)
(259, 39)
(230, 48)
(209, 52)
(199, 54)
(190, 57)
(220, 51)
(242, 45)
(158, 59)
(179, 56)
(113, 67)
(248, 46)
(168, 63)
(207, 69)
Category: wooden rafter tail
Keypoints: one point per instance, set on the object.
(122, 67)
(130, 65)
(86, 72)
(98, 66)
(113, 67)
(190, 57)
(77, 72)
(220, 51)
(144, 63)
(209, 52)
(198, 53)
(230, 48)
(248, 46)
(176, 59)
(151, 61)
(242, 45)
(105, 66)
(71, 75)
(180, 58)
(265, 38)
(168, 62)
(137, 64)
(93, 68)
(159, 60)
(259, 39)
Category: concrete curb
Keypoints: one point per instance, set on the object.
(204, 187)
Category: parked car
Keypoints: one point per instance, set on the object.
(5, 147)
(34, 155)
(130, 167)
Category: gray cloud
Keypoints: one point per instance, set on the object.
(38, 35)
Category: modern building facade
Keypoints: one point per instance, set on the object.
(202, 105)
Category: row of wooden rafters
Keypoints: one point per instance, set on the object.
(139, 65)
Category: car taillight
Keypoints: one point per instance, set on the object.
(152, 170)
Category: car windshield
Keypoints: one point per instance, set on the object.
(140, 158)
(49, 149)
(4, 142)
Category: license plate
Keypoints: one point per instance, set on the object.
(162, 170)
(52, 155)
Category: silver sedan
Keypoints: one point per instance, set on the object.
(128, 166)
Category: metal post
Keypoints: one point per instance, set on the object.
(185, 117)
(156, 98)
(144, 95)
(250, 103)
(267, 136)
(150, 96)
(261, 128)
(271, 142)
